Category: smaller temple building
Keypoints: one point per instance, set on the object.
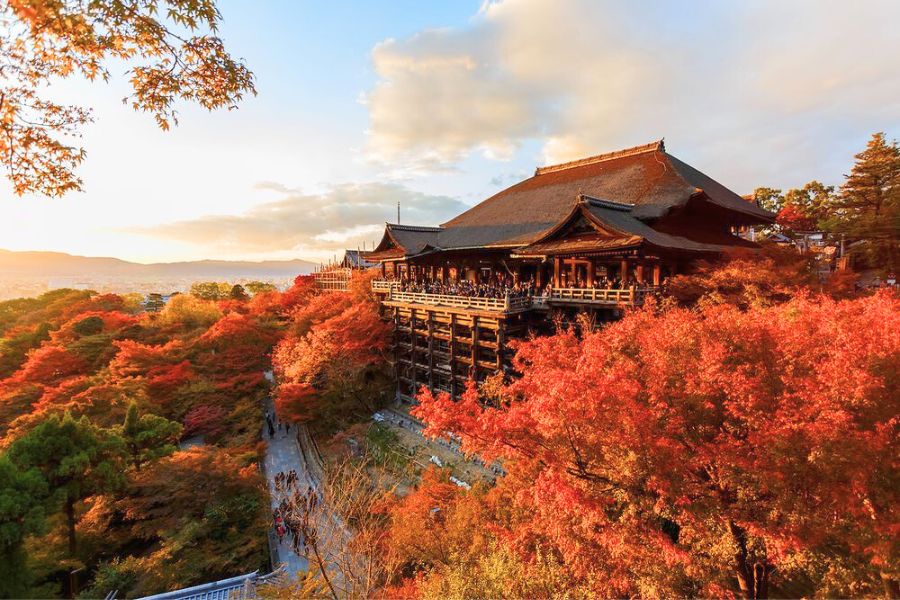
(597, 234)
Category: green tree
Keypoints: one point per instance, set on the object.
(815, 199)
(259, 287)
(171, 48)
(238, 293)
(769, 198)
(75, 458)
(148, 437)
(210, 290)
(21, 514)
(89, 326)
(869, 204)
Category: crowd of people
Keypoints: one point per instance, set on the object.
(273, 424)
(503, 288)
(292, 515)
(469, 289)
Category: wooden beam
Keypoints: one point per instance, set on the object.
(501, 336)
(452, 356)
(475, 348)
(412, 352)
(430, 351)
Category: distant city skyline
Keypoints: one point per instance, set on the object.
(438, 106)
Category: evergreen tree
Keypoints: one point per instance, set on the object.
(148, 437)
(75, 459)
(21, 514)
(869, 205)
(239, 293)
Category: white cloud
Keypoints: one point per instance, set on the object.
(343, 216)
(747, 83)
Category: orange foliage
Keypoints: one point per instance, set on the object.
(648, 450)
(746, 278)
(48, 365)
(135, 358)
(296, 402)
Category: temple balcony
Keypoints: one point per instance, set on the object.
(383, 285)
(632, 296)
(504, 305)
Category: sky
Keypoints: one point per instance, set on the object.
(438, 105)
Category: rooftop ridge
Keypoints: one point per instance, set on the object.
(603, 203)
(412, 227)
(658, 145)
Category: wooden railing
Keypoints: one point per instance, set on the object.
(630, 296)
(506, 304)
(333, 279)
(383, 285)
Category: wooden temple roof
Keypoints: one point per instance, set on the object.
(404, 240)
(646, 179)
(608, 225)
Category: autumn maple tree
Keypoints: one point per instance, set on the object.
(170, 46)
(336, 343)
(706, 451)
(92, 397)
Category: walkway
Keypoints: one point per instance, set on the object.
(283, 454)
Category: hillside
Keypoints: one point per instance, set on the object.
(58, 264)
(25, 274)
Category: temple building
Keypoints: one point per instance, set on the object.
(597, 234)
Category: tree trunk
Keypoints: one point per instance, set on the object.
(891, 586)
(322, 568)
(70, 525)
(753, 580)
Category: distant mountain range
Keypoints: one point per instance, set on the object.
(59, 264)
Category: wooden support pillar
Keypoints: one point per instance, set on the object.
(501, 338)
(557, 272)
(475, 348)
(453, 356)
(590, 273)
(430, 350)
(539, 276)
(397, 370)
(412, 353)
(639, 272)
(623, 270)
(657, 273)
(445, 273)
(383, 271)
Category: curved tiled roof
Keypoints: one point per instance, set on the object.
(404, 240)
(646, 176)
(620, 229)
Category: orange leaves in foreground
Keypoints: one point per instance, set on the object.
(653, 447)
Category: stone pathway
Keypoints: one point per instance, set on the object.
(283, 454)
